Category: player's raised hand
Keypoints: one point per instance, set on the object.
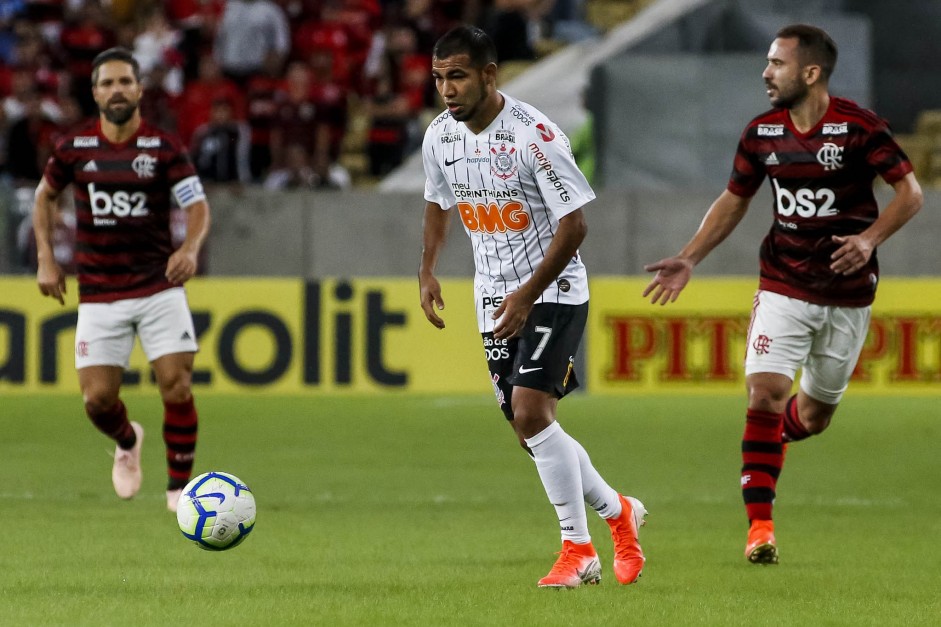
(511, 315)
(51, 280)
(854, 252)
(673, 273)
(181, 267)
(430, 290)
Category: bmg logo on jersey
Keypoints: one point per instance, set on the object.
(494, 217)
(119, 204)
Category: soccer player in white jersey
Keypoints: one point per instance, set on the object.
(509, 173)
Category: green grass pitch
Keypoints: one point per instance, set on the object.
(403, 510)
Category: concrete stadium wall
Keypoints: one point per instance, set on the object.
(341, 234)
(669, 112)
(363, 234)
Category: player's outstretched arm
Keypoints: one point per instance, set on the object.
(183, 263)
(855, 250)
(435, 228)
(673, 273)
(49, 275)
(514, 310)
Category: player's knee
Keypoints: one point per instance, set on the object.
(529, 423)
(175, 385)
(177, 395)
(767, 398)
(176, 390)
(521, 417)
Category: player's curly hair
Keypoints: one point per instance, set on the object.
(468, 40)
(114, 54)
(814, 46)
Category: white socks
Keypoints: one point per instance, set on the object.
(558, 465)
(569, 477)
(598, 494)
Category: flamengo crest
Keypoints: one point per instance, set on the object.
(830, 156)
(144, 165)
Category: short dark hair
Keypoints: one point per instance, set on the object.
(114, 54)
(468, 40)
(814, 46)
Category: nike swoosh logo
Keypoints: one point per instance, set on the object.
(525, 370)
(448, 164)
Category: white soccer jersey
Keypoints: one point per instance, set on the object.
(510, 183)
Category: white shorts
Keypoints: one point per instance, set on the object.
(786, 334)
(104, 335)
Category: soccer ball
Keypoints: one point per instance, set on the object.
(216, 511)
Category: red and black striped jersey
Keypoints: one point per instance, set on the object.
(821, 186)
(122, 204)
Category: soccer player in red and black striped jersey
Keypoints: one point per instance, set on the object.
(124, 174)
(818, 262)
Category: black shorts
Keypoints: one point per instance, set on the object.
(541, 357)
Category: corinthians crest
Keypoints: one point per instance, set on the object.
(503, 164)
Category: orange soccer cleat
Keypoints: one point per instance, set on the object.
(126, 474)
(761, 547)
(628, 556)
(577, 564)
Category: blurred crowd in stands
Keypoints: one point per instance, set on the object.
(260, 90)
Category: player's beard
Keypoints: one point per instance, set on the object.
(120, 116)
(790, 95)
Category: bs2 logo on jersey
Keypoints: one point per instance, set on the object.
(119, 204)
(806, 203)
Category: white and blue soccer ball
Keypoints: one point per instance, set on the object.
(216, 511)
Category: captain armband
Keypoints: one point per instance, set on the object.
(188, 191)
